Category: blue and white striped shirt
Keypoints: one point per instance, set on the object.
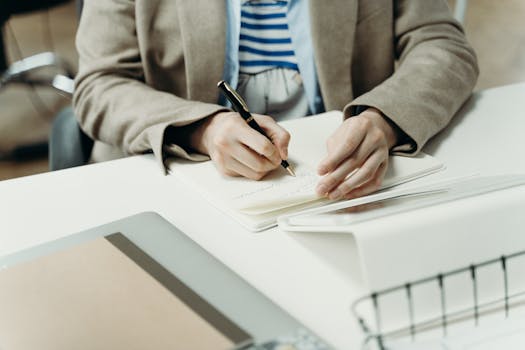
(265, 40)
(298, 17)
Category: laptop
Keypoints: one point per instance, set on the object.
(136, 283)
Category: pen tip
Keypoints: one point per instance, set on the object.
(290, 170)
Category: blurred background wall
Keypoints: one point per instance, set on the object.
(495, 29)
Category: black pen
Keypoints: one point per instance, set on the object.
(240, 107)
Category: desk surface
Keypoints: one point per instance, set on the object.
(315, 277)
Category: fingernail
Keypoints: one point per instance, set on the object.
(321, 170)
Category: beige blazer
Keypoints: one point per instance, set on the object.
(148, 64)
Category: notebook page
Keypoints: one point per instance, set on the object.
(279, 193)
(278, 190)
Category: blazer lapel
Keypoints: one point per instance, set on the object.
(333, 26)
(203, 31)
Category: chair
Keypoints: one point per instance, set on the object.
(45, 69)
(68, 146)
(26, 71)
(12, 7)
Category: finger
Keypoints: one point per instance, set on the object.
(342, 144)
(233, 166)
(277, 134)
(362, 175)
(252, 159)
(333, 179)
(371, 186)
(260, 144)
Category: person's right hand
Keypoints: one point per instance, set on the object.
(237, 149)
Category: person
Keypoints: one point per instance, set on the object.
(398, 69)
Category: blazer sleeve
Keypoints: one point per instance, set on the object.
(111, 100)
(436, 74)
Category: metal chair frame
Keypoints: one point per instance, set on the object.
(26, 72)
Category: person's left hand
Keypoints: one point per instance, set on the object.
(360, 147)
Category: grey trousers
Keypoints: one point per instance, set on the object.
(278, 93)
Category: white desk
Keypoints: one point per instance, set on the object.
(315, 277)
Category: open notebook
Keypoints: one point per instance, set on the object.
(257, 204)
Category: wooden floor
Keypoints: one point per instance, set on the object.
(495, 29)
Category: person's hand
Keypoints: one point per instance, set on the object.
(237, 149)
(360, 147)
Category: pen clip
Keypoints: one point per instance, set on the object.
(234, 93)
